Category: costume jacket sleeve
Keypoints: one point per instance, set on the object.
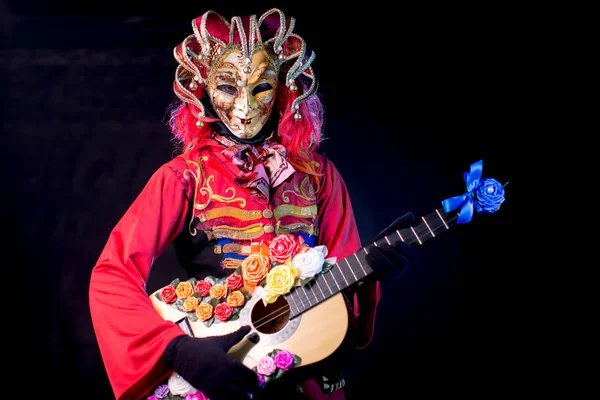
(339, 232)
(130, 333)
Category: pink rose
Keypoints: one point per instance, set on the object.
(196, 396)
(266, 366)
(202, 287)
(235, 281)
(284, 360)
(168, 294)
(282, 247)
(223, 311)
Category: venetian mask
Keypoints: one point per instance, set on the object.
(242, 90)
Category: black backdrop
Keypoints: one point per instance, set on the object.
(412, 97)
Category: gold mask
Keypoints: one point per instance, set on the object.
(242, 90)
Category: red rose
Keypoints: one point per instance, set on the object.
(202, 287)
(223, 311)
(235, 281)
(168, 294)
(282, 247)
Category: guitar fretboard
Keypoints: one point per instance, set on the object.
(353, 268)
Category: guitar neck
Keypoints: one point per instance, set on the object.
(354, 267)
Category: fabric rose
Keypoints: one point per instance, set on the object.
(196, 396)
(218, 291)
(254, 268)
(152, 397)
(168, 295)
(235, 281)
(266, 366)
(489, 195)
(236, 299)
(204, 311)
(284, 360)
(184, 290)
(309, 262)
(280, 280)
(202, 287)
(223, 311)
(190, 304)
(161, 391)
(179, 386)
(283, 247)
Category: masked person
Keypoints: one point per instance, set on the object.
(248, 123)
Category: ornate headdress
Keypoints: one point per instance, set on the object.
(214, 35)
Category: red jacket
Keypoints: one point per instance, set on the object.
(131, 335)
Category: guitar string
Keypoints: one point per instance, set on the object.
(282, 311)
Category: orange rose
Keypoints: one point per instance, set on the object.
(190, 304)
(218, 291)
(236, 299)
(204, 311)
(254, 268)
(184, 290)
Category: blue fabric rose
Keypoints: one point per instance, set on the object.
(489, 195)
(485, 195)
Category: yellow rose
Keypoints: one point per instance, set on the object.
(254, 268)
(236, 299)
(190, 304)
(218, 291)
(280, 280)
(204, 311)
(184, 290)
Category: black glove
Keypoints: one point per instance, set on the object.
(390, 260)
(205, 364)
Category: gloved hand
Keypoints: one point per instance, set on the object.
(389, 261)
(205, 364)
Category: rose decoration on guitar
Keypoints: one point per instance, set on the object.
(485, 195)
(286, 267)
(277, 266)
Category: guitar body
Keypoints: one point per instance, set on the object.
(312, 335)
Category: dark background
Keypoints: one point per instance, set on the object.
(413, 96)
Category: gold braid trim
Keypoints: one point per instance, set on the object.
(230, 263)
(234, 248)
(197, 175)
(249, 232)
(299, 226)
(243, 215)
(285, 210)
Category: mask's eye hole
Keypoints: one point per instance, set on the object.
(229, 89)
(263, 87)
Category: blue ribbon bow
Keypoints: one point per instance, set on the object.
(465, 202)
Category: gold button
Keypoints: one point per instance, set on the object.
(269, 228)
(267, 213)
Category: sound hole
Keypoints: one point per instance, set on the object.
(272, 317)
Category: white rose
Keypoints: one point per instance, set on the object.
(179, 386)
(309, 262)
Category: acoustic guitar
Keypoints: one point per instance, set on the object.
(311, 320)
